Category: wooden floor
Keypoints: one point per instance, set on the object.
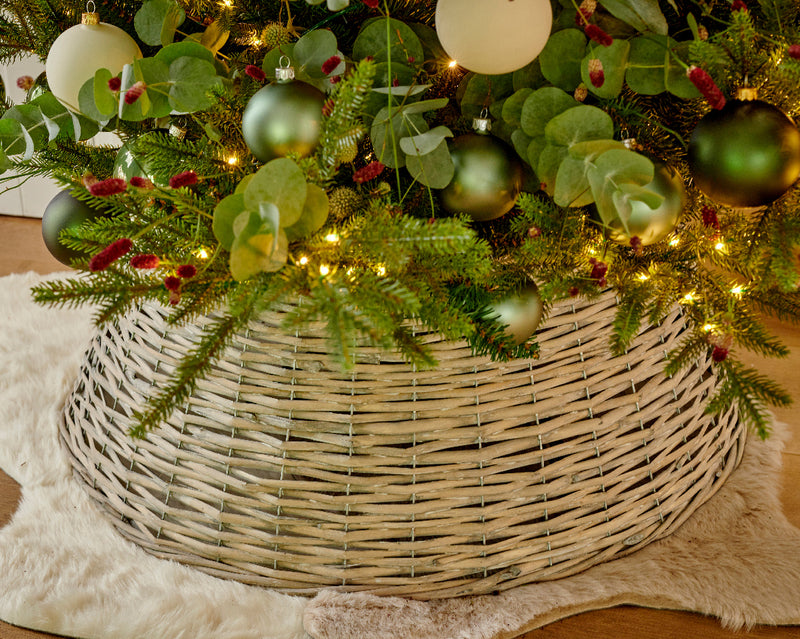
(21, 249)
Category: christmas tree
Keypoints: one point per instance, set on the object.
(394, 163)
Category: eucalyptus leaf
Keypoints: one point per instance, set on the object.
(282, 183)
(33, 129)
(386, 130)
(86, 102)
(534, 152)
(614, 59)
(424, 106)
(157, 17)
(192, 81)
(520, 141)
(403, 90)
(256, 247)
(543, 105)
(642, 15)
(424, 143)
(404, 45)
(550, 160)
(579, 123)
(571, 184)
(512, 106)
(312, 50)
(104, 98)
(12, 138)
(560, 60)
(435, 169)
(608, 173)
(590, 149)
(315, 214)
(226, 211)
(170, 53)
(481, 88)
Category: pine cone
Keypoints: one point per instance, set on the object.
(344, 202)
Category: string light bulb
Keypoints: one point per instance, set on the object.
(303, 261)
(201, 254)
(452, 64)
(332, 237)
(324, 269)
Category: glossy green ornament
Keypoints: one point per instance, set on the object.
(283, 117)
(745, 154)
(649, 224)
(64, 212)
(487, 178)
(521, 313)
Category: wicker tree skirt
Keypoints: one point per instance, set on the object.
(474, 477)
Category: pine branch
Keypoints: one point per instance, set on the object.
(751, 391)
(343, 125)
(628, 318)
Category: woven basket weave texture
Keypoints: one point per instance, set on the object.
(285, 471)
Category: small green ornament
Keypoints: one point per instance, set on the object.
(745, 154)
(487, 178)
(521, 313)
(64, 212)
(652, 225)
(283, 117)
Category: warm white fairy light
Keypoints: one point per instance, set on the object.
(232, 160)
(202, 254)
(332, 237)
(689, 297)
(708, 327)
(643, 277)
(675, 241)
(303, 261)
(738, 289)
(719, 246)
(324, 269)
(452, 64)
(380, 270)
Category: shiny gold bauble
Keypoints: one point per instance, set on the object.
(520, 312)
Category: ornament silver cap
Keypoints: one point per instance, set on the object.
(285, 72)
(482, 124)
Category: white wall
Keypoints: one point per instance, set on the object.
(30, 199)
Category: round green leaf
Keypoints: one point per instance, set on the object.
(282, 183)
(155, 17)
(313, 50)
(424, 143)
(404, 48)
(315, 213)
(543, 105)
(512, 106)
(226, 211)
(435, 169)
(614, 59)
(578, 124)
(192, 80)
(561, 57)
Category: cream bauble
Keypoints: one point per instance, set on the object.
(493, 36)
(83, 49)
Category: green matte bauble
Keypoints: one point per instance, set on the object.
(745, 154)
(652, 225)
(521, 313)
(64, 212)
(487, 178)
(283, 118)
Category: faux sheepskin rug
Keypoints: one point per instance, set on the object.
(64, 569)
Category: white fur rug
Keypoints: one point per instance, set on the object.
(63, 568)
